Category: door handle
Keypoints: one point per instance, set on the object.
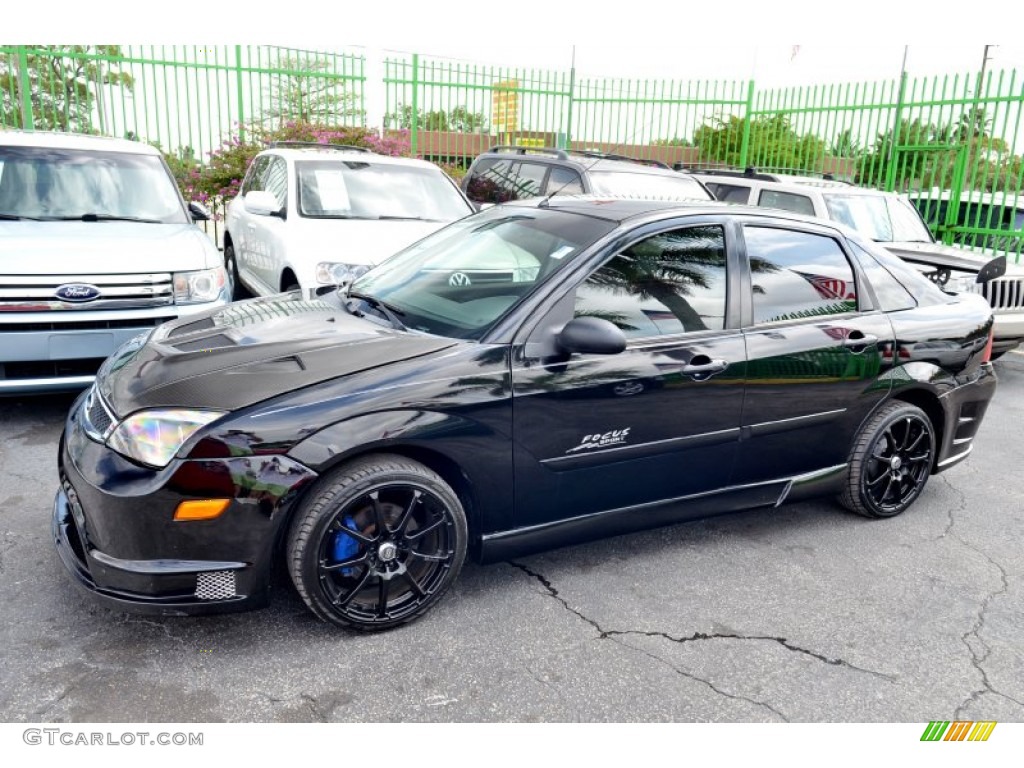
(857, 342)
(702, 367)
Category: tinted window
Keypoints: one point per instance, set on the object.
(564, 181)
(787, 201)
(729, 193)
(892, 296)
(798, 274)
(924, 291)
(499, 181)
(672, 282)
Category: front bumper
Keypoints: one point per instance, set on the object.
(114, 528)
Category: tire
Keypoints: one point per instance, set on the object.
(890, 462)
(238, 291)
(377, 543)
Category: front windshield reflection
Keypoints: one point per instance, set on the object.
(462, 279)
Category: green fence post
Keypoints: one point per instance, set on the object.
(414, 123)
(27, 118)
(241, 92)
(567, 142)
(893, 159)
(745, 145)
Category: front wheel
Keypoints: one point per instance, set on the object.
(238, 291)
(377, 544)
(890, 461)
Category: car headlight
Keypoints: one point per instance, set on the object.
(962, 283)
(154, 436)
(337, 273)
(199, 287)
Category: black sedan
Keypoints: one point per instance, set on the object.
(625, 364)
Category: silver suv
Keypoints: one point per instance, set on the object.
(96, 247)
(892, 221)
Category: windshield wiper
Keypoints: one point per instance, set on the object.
(102, 217)
(405, 218)
(16, 217)
(389, 311)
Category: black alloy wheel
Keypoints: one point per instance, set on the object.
(378, 544)
(890, 462)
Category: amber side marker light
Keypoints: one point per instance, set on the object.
(201, 509)
(986, 356)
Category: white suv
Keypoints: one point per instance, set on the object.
(312, 216)
(893, 222)
(96, 247)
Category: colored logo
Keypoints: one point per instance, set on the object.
(959, 730)
(77, 292)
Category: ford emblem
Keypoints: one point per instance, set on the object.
(78, 292)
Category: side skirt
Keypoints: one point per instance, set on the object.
(598, 525)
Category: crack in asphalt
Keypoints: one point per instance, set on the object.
(129, 619)
(309, 700)
(979, 623)
(612, 634)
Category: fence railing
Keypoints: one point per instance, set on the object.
(956, 140)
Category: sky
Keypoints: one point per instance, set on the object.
(787, 43)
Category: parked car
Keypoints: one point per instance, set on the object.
(977, 215)
(891, 221)
(312, 216)
(664, 361)
(96, 246)
(506, 173)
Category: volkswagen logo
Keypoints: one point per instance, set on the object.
(459, 279)
(77, 292)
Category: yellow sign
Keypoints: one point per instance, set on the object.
(505, 106)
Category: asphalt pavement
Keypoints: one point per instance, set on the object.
(804, 613)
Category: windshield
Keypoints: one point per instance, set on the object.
(882, 218)
(356, 189)
(462, 279)
(56, 184)
(648, 185)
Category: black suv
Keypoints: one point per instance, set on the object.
(506, 173)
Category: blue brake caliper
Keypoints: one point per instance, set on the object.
(344, 547)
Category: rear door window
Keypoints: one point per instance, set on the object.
(787, 201)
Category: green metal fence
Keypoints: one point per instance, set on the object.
(956, 141)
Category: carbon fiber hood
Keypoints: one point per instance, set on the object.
(250, 351)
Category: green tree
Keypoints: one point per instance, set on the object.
(773, 143)
(459, 120)
(307, 90)
(65, 86)
(846, 145)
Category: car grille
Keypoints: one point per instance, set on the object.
(1004, 293)
(215, 585)
(38, 293)
(49, 369)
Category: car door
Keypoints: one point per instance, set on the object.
(660, 420)
(267, 234)
(816, 348)
(240, 221)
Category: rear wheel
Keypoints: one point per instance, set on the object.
(377, 544)
(890, 461)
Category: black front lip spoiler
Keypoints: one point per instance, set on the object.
(132, 601)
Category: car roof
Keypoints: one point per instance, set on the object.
(587, 160)
(1009, 199)
(58, 140)
(330, 153)
(620, 208)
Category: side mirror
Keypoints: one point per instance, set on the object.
(199, 211)
(591, 335)
(992, 270)
(262, 203)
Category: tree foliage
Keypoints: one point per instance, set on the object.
(306, 90)
(64, 85)
(773, 143)
(459, 120)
